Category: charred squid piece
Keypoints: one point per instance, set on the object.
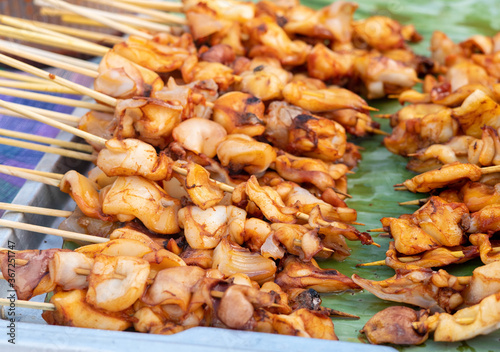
(155, 56)
(124, 79)
(477, 110)
(73, 310)
(434, 290)
(394, 325)
(230, 259)
(383, 76)
(444, 176)
(485, 281)
(85, 195)
(132, 157)
(116, 282)
(267, 38)
(32, 278)
(204, 228)
(196, 98)
(332, 22)
(322, 100)
(297, 274)
(148, 119)
(239, 151)
(433, 258)
(133, 196)
(240, 113)
(480, 319)
(485, 247)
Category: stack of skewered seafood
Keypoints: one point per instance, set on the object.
(221, 156)
(451, 132)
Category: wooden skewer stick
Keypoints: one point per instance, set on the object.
(69, 235)
(380, 229)
(28, 304)
(74, 32)
(12, 21)
(35, 210)
(415, 202)
(53, 175)
(48, 121)
(67, 118)
(64, 82)
(158, 5)
(70, 17)
(16, 172)
(490, 169)
(45, 149)
(336, 190)
(377, 131)
(15, 114)
(13, 49)
(41, 87)
(89, 13)
(168, 18)
(39, 38)
(298, 243)
(89, 65)
(20, 77)
(55, 100)
(65, 144)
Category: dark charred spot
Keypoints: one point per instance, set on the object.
(258, 68)
(309, 299)
(148, 88)
(262, 28)
(281, 20)
(302, 120)
(252, 100)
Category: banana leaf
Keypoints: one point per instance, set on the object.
(372, 185)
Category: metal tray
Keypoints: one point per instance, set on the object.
(32, 333)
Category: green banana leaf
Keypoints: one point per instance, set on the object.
(371, 185)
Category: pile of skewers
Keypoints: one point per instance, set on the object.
(451, 132)
(184, 139)
(221, 156)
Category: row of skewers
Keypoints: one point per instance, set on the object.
(283, 125)
(450, 131)
(207, 200)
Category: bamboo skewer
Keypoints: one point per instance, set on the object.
(68, 145)
(44, 149)
(35, 210)
(415, 202)
(168, 18)
(33, 37)
(52, 175)
(89, 13)
(64, 82)
(15, 114)
(157, 5)
(41, 87)
(74, 32)
(55, 100)
(12, 21)
(20, 77)
(4, 169)
(51, 122)
(67, 118)
(36, 56)
(456, 254)
(69, 235)
(70, 17)
(28, 304)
